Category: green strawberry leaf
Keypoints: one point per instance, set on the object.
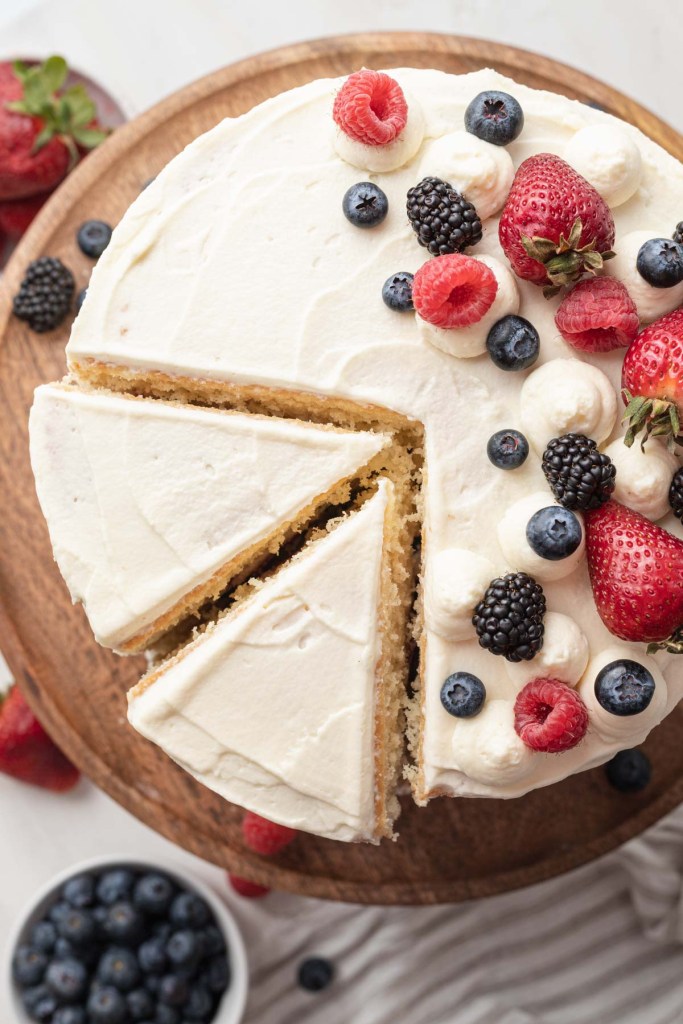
(54, 72)
(89, 137)
(42, 138)
(81, 108)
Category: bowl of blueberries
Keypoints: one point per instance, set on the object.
(118, 941)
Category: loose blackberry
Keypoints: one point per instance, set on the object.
(579, 475)
(676, 494)
(678, 233)
(443, 220)
(45, 295)
(509, 618)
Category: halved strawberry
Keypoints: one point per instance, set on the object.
(26, 750)
(652, 381)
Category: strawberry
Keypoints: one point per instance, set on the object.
(250, 890)
(652, 381)
(636, 571)
(42, 125)
(26, 750)
(17, 214)
(554, 226)
(264, 836)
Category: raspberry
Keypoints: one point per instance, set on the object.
(370, 107)
(598, 315)
(250, 890)
(263, 836)
(454, 290)
(550, 716)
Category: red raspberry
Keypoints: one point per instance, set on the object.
(370, 107)
(265, 836)
(550, 716)
(454, 290)
(598, 315)
(250, 890)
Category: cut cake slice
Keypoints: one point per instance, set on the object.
(153, 507)
(289, 703)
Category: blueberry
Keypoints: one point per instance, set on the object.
(213, 940)
(183, 949)
(147, 183)
(513, 343)
(397, 292)
(80, 299)
(166, 1015)
(315, 974)
(70, 1015)
(152, 983)
(495, 117)
(67, 980)
(79, 891)
(43, 1005)
(624, 687)
(58, 911)
(106, 1006)
(218, 974)
(365, 205)
(629, 771)
(78, 926)
(140, 1004)
(44, 936)
(93, 237)
(153, 894)
(115, 885)
(28, 966)
(173, 990)
(190, 911)
(199, 1006)
(660, 262)
(123, 923)
(554, 532)
(162, 930)
(507, 449)
(30, 997)
(119, 967)
(152, 956)
(463, 695)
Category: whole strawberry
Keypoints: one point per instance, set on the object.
(42, 126)
(16, 215)
(554, 226)
(652, 381)
(26, 750)
(636, 572)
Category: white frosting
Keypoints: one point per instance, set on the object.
(651, 303)
(454, 586)
(629, 730)
(519, 554)
(176, 293)
(491, 753)
(481, 172)
(567, 395)
(466, 342)
(643, 476)
(384, 158)
(146, 499)
(273, 707)
(608, 157)
(564, 654)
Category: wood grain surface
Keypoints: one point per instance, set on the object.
(451, 850)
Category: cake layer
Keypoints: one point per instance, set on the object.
(281, 706)
(154, 506)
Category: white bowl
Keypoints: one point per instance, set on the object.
(232, 1004)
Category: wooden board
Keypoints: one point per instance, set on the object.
(453, 849)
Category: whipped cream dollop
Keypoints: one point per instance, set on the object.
(467, 342)
(629, 729)
(516, 548)
(564, 654)
(651, 303)
(567, 395)
(643, 476)
(491, 752)
(609, 158)
(482, 173)
(384, 158)
(454, 585)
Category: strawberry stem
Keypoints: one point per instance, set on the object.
(673, 644)
(565, 261)
(654, 417)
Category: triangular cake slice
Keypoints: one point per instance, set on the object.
(154, 506)
(289, 704)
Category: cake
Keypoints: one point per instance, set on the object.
(249, 276)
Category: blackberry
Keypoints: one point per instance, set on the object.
(678, 233)
(578, 474)
(45, 295)
(509, 618)
(676, 494)
(443, 220)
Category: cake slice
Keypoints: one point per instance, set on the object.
(289, 704)
(153, 506)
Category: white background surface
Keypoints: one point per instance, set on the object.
(142, 50)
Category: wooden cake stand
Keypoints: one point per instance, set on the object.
(451, 850)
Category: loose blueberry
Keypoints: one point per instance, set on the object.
(140, 1005)
(199, 1006)
(624, 687)
(554, 532)
(43, 1007)
(80, 299)
(152, 956)
(513, 343)
(495, 117)
(397, 292)
(218, 974)
(93, 237)
(123, 923)
(660, 262)
(315, 974)
(70, 1015)
(44, 936)
(190, 911)
(77, 926)
(115, 885)
(28, 966)
(119, 967)
(30, 997)
(173, 990)
(183, 949)
(166, 1015)
(629, 771)
(365, 205)
(106, 1006)
(463, 695)
(153, 894)
(67, 980)
(79, 891)
(507, 449)
(213, 940)
(58, 911)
